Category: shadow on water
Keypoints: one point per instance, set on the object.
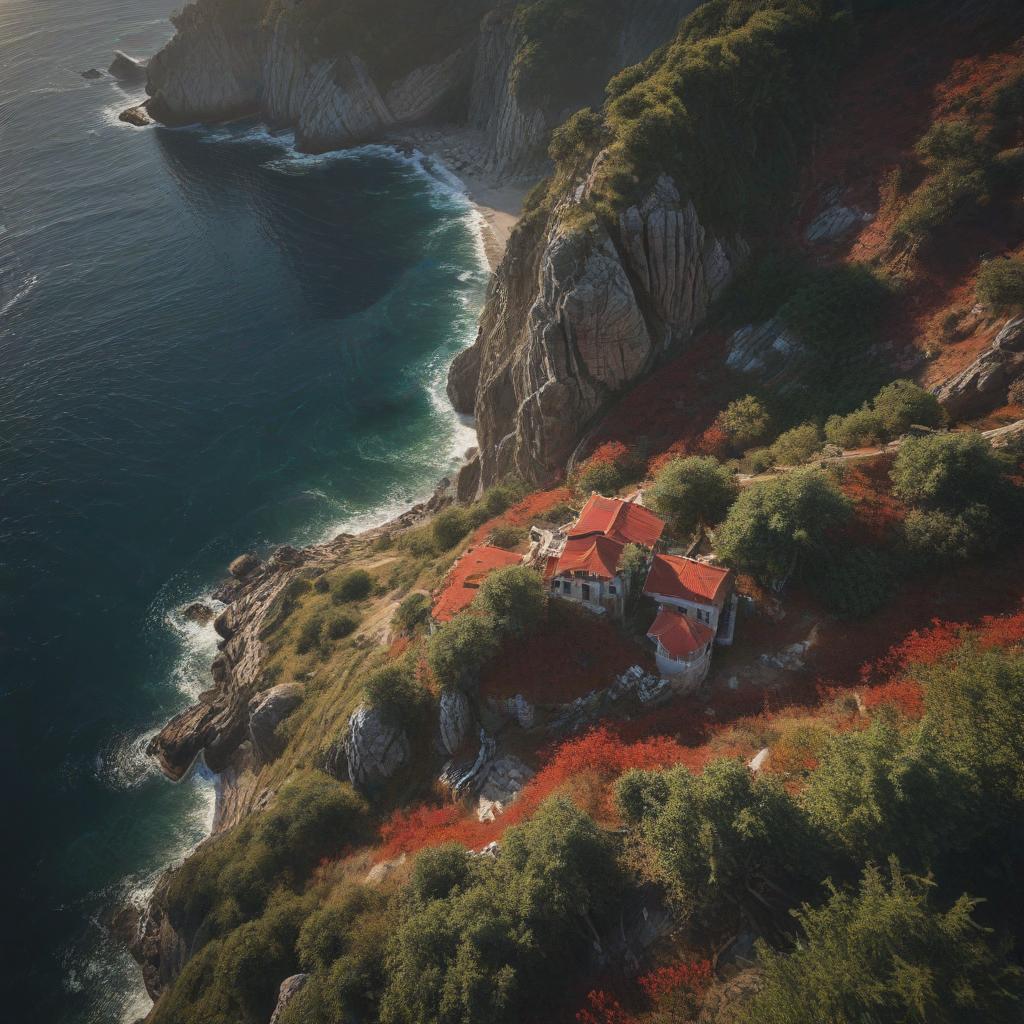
(304, 206)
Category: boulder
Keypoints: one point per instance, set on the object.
(137, 116)
(92, 74)
(983, 385)
(266, 712)
(197, 612)
(244, 566)
(289, 989)
(454, 719)
(833, 222)
(374, 750)
(503, 780)
(128, 69)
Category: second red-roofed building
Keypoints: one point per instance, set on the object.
(586, 568)
(696, 589)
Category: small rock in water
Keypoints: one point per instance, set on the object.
(244, 565)
(197, 612)
(138, 116)
(92, 73)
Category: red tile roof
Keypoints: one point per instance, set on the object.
(624, 521)
(679, 635)
(597, 555)
(466, 575)
(688, 580)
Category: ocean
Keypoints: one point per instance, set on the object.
(208, 344)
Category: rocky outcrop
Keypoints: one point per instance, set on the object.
(768, 351)
(454, 719)
(267, 710)
(219, 721)
(289, 989)
(374, 750)
(127, 69)
(157, 946)
(577, 314)
(983, 385)
(217, 68)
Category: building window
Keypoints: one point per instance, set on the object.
(611, 588)
(586, 591)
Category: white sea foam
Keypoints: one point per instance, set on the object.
(25, 289)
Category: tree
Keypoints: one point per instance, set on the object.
(774, 523)
(412, 612)
(692, 492)
(394, 692)
(745, 422)
(885, 791)
(948, 471)
(933, 538)
(496, 946)
(886, 955)
(857, 429)
(513, 597)
(902, 405)
(796, 446)
(721, 840)
(974, 706)
(460, 648)
(449, 527)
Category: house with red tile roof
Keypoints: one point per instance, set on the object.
(585, 567)
(698, 590)
(464, 578)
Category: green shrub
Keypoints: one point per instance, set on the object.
(310, 635)
(775, 523)
(342, 625)
(1001, 283)
(902, 405)
(506, 537)
(854, 582)
(440, 871)
(578, 137)
(759, 460)
(449, 527)
(513, 598)
(798, 445)
(603, 477)
(394, 692)
(460, 648)
(949, 471)
(354, 585)
(885, 953)
(932, 538)
(691, 492)
(412, 612)
(860, 429)
(837, 311)
(745, 422)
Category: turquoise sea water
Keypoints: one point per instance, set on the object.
(207, 344)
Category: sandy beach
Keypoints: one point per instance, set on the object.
(463, 153)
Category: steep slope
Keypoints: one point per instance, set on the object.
(644, 223)
(323, 72)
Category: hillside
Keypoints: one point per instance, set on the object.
(752, 368)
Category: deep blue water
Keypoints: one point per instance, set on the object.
(207, 344)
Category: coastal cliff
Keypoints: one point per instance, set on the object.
(578, 313)
(334, 88)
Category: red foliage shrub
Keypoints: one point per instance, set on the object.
(602, 1009)
(571, 653)
(905, 695)
(533, 507)
(609, 453)
(714, 441)
(692, 975)
(1002, 631)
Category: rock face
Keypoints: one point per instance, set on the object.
(374, 750)
(128, 69)
(454, 719)
(768, 351)
(267, 710)
(983, 385)
(220, 66)
(217, 68)
(244, 566)
(289, 989)
(574, 316)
